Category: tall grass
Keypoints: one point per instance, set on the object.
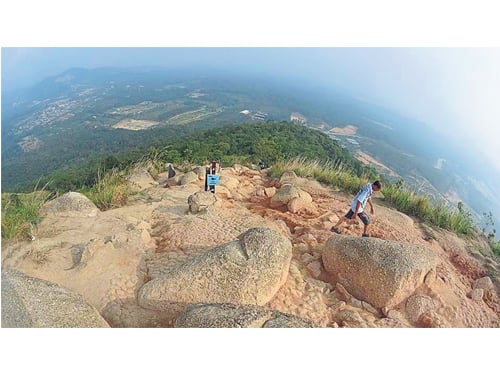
(21, 213)
(338, 175)
(335, 174)
(110, 190)
(495, 247)
(422, 207)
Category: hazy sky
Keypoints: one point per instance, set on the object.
(455, 90)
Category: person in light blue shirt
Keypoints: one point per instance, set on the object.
(358, 205)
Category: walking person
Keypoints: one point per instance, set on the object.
(358, 205)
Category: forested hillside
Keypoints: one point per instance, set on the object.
(243, 143)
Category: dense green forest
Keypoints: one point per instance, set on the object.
(244, 143)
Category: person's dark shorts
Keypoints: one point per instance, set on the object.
(362, 215)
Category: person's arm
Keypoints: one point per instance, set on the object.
(372, 211)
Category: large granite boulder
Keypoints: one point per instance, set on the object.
(293, 197)
(71, 204)
(247, 271)
(382, 273)
(237, 316)
(28, 302)
(284, 194)
(141, 179)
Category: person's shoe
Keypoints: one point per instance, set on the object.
(336, 230)
(365, 235)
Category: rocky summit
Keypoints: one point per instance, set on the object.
(256, 253)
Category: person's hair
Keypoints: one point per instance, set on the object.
(378, 184)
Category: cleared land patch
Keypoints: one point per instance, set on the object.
(191, 116)
(30, 143)
(131, 124)
(348, 130)
(368, 160)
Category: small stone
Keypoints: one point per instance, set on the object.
(431, 319)
(430, 277)
(349, 318)
(269, 192)
(307, 258)
(342, 293)
(260, 192)
(418, 304)
(355, 302)
(477, 294)
(394, 314)
(315, 268)
(484, 283)
(338, 306)
(370, 308)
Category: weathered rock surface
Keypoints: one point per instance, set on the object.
(293, 197)
(484, 283)
(141, 179)
(349, 318)
(237, 316)
(382, 273)
(200, 172)
(431, 319)
(229, 182)
(247, 271)
(417, 305)
(284, 195)
(30, 302)
(71, 204)
(477, 294)
(201, 201)
(187, 178)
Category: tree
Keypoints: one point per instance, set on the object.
(267, 150)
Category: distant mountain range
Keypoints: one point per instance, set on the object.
(86, 113)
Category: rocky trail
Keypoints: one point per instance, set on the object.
(257, 253)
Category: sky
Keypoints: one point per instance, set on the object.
(455, 91)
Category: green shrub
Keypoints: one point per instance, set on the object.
(335, 174)
(495, 246)
(21, 213)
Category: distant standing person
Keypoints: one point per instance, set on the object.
(357, 206)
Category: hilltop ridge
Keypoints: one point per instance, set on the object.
(108, 257)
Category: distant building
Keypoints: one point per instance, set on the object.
(259, 116)
(245, 112)
(298, 118)
(353, 141)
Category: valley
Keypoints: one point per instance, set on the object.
(89, 114)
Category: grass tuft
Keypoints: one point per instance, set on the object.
(21, 214)
(110, 190)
